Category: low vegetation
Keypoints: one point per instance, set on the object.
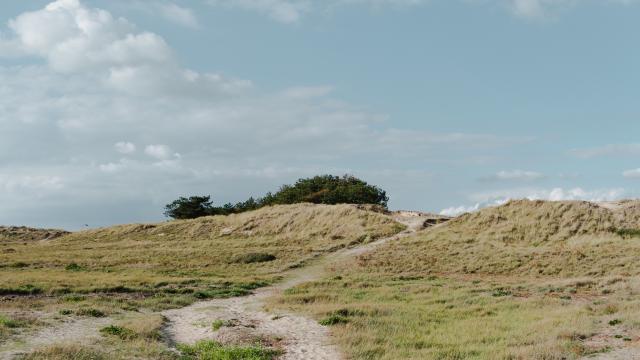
(125, 273)
(211, 350)
(527, 280)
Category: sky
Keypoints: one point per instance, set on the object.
(110, 109)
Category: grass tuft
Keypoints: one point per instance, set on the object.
(119, 331)
(254, 258)
(211, 350)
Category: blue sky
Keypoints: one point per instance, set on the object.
(110, 109)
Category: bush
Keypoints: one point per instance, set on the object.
(628, 233)
(90, 312)
(9, 323)
(119, 331)
(323, 189)
(73, 267)
(334, 320)
(254, 258)
(189, 208)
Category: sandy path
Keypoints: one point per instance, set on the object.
(301, 338)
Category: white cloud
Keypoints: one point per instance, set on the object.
(12, 183)
(178, 14)
(500, 197)
(124, 147)
(161, 152)
(69, 115)
(632, 174)
(514, 175)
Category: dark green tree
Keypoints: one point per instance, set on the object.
(322, 189)
(329, 189)
(189, 208)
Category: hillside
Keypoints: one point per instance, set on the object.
(23, 233)
(525, 280)
(252, 246)
(536, 238)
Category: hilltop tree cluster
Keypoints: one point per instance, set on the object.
(322, 189)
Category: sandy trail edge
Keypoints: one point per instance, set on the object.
(300, 337)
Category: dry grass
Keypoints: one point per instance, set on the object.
(124, 271)
(145, 258)
(529, 238)
(528, 280)
(20, 234)
(67, 352)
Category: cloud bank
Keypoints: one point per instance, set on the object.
(111, 126)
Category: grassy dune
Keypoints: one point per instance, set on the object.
(127, 270)
(527, 280)
(244, 248)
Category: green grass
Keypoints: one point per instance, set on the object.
(211, 350)
(118, 331)
(91, 312)
(628, 233)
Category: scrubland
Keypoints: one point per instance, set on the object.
(128, 273)
(526, 280)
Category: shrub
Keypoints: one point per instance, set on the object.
(254, 258)
(119, 331)
(9, 323)
(615, 322)
(628, 233)
(73, 267)
(334, 320)
(90, 312)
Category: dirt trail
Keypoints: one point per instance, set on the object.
(300, 337)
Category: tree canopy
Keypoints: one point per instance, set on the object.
(322, 189)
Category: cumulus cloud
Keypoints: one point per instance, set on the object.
(161, 152)
(125, 147)
(493, 198)
(178, 14)
(75, 39)
(99, 86)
